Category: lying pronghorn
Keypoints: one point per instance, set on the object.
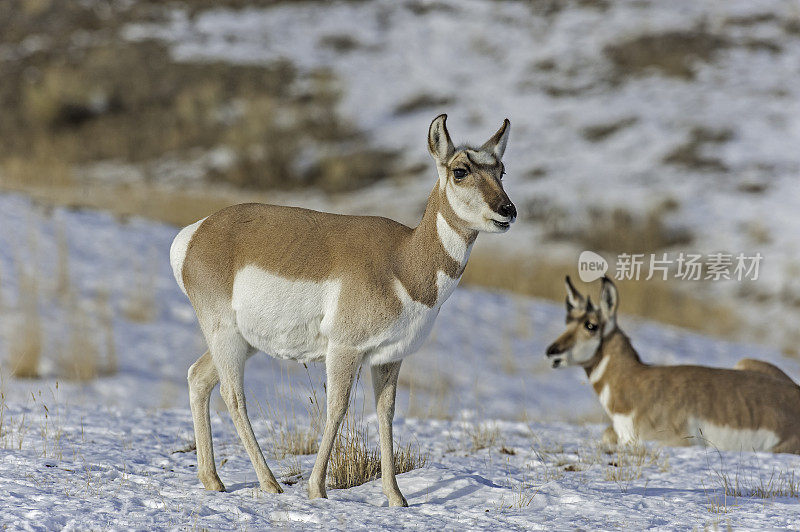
(753, 407)
(312, 286)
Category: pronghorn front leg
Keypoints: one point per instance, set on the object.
(341, 365)
(384, 382)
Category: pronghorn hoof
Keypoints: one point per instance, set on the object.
(400, 502)
(212, 483)
(272, 487)
(316, 493)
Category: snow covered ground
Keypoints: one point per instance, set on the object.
(118, 470)
(102, 454)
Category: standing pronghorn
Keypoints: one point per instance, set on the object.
(753, 407)
(313, 286)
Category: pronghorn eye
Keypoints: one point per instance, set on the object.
(590, 326)
(459, 173)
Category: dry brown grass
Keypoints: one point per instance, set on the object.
(655, 299)
(691, 153)
(672, 53)
(354, 462)
(80, 356)
(174, 206)
(90, 351)
(628, 462)
(70, 105)
(25, 339)
(429, 391)
(140, 302)
(620, 231)
(482, 436)
(105, 321)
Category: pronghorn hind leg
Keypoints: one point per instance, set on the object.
(341, 365)
(230, 354)
(202, 379)
(384, 382)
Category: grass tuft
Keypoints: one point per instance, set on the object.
(354, 462)
(25, 342)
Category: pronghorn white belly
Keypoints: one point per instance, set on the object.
(289, 319)
(413, 325)
(731, 439)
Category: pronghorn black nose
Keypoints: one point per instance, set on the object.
(554, 349)
(507, 209)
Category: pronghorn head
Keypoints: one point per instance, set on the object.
(471, 178)
(587, 325)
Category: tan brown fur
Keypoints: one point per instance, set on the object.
(759, 366)
(664, 400)
(301, 244)
(387, 280)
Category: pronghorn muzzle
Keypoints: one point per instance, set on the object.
(556, 351)
(508, 211)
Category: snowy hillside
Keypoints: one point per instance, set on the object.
(682, 111)
(509, 442)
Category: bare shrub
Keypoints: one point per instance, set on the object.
(354, 462)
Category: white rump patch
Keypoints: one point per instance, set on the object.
(177, 251)
(453, 243)
(289, 319)
(731, 439)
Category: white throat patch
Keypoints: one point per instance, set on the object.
(453, 243)
(599, 370)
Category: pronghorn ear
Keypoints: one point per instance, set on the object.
(574, 298)
(439, 144)
(497, 144)
(609, 300)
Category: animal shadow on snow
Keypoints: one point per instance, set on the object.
(432, 494)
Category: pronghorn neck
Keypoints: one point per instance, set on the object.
(441, 224)
(615, 350)
(437, 249)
